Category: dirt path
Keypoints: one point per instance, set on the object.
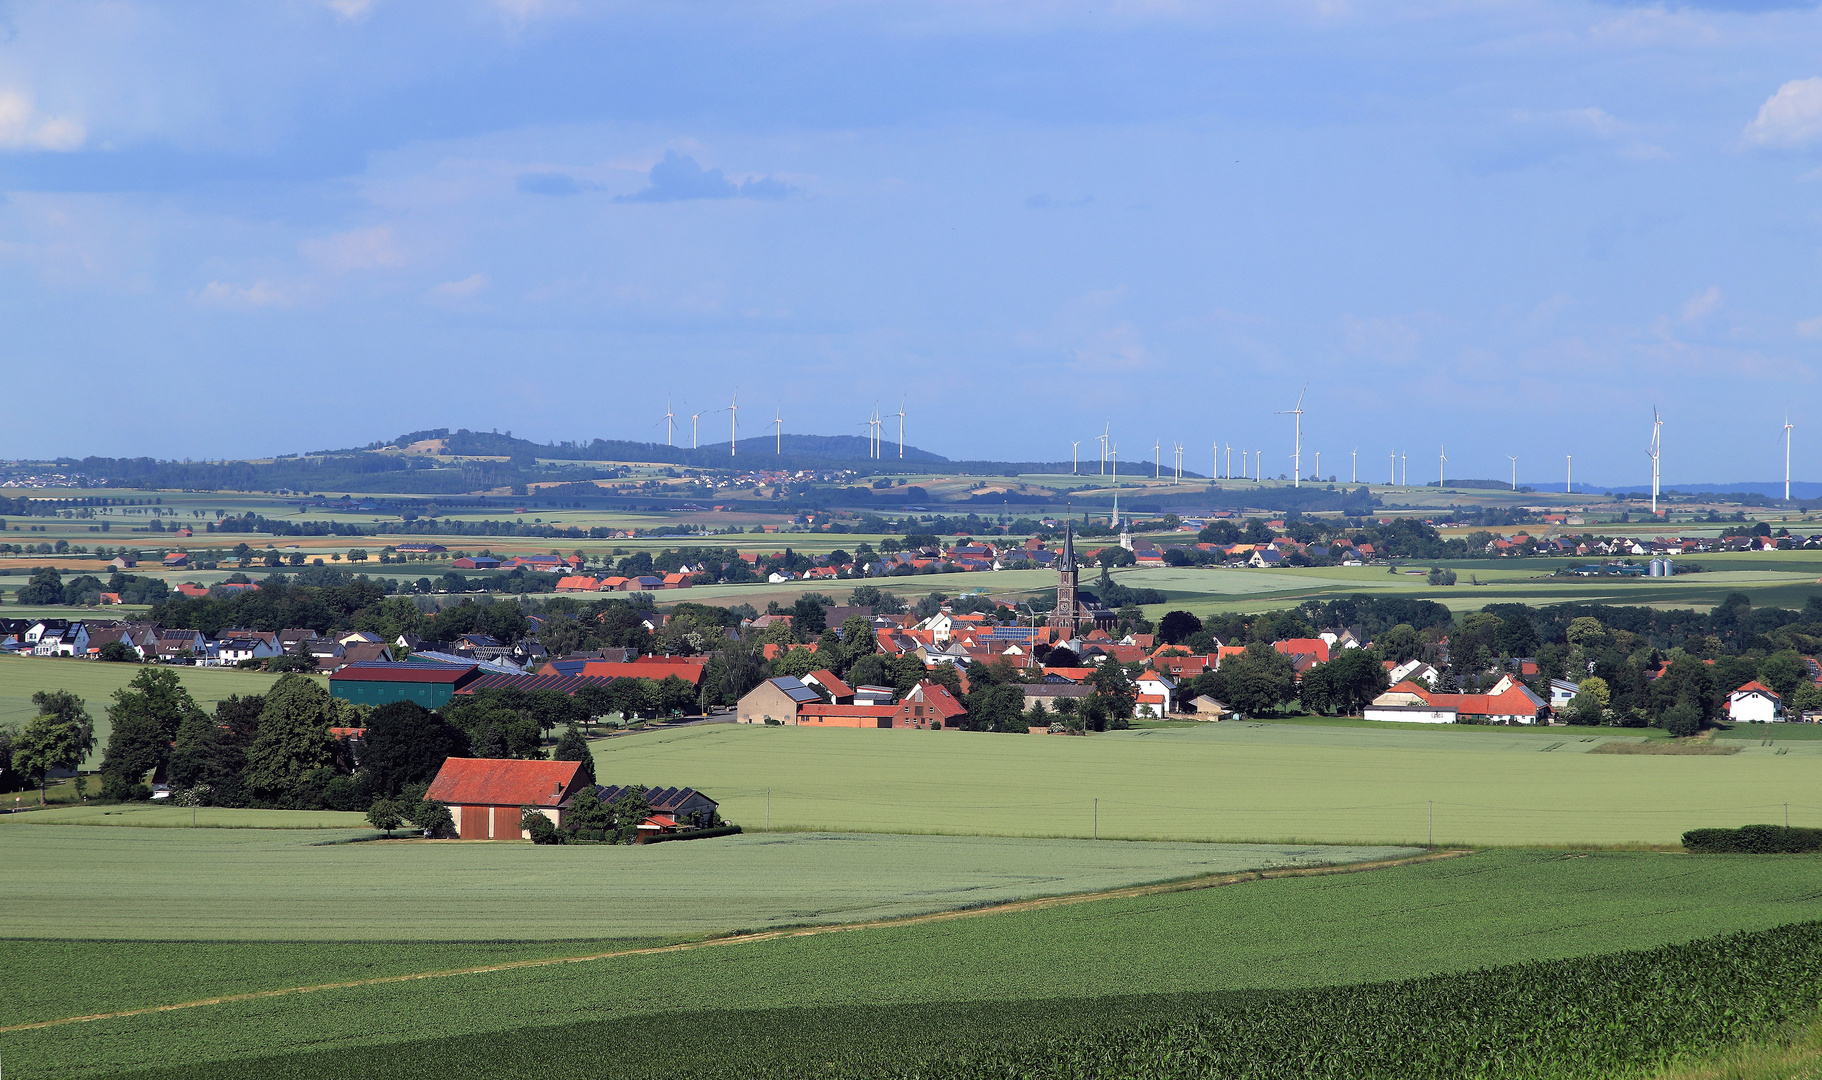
(1210, 882)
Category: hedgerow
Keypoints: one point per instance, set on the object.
(1602, 1016)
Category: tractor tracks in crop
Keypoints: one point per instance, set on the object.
(1211, 881)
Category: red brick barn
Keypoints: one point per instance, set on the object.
(486, 795)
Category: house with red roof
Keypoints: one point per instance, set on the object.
(1755, 703)
(575, 583)
(486, 796)
(1509, 702)
(840, 693)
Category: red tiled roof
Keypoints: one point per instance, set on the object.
(383, 672)
(831, 682)
(1756, 686)
(646, 668)
(938, 697)
(504, 782)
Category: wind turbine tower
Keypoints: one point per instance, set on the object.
(901, 429)
(1074, 448)
(733, 423)
(1514, 471)
(1657, 448)
(670, 422)
(1442, 465)
(778, 432)
(1787, 457)
(1157, 459)
(694, 444)
(1318, 464)
(1356, 478)
(1297, 446)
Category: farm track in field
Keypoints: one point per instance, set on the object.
(1207, 882)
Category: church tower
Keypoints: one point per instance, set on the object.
(1066, 614)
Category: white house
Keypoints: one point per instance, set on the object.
(1562, 692)
(1152, 684)
(1755, 703)
(72, 640)
(1415, 671)
(232, 650)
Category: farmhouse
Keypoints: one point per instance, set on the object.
(776, 700)
(1509, 702)
(1755, 703)
(429, 685)
(670, 808)
(485, 795)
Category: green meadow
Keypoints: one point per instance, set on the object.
(289, 885)
(1232, 781)
(95, 683)
(1457, 914)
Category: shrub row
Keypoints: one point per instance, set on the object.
(1617, 1014)
(1754, 840)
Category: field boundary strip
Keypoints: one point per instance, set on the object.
(1209, 882)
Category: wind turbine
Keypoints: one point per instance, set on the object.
(1102, 470)
(733, 422)
(1657, 448)
(1074, 456)
(1442, 465)
(694, 444)
(1405, 472)
(1787, 427)
(1228, 473)
(1514, 472)
(1297, 449)
(1256, 455)
(670, 419)
(1157, 459)
(778, 432)
(1318, 464)
(1356, 478)
(901, 429)
(1394, 480)
(1568, 473)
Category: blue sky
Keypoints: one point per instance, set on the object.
(1507, 228)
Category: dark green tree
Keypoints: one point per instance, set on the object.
(1259, 679)
(45, 587)
(293, 739)
(573, 747)
(59, 737)
(145, 715)
(1782, 671)
(1177, 627)
(208, 755)
(406, 745)
(1683, 719)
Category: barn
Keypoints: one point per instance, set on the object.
(379, 683)
(487, 795)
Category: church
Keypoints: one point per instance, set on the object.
(1076, 611)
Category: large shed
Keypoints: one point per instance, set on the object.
(429, 685)
(486, 796)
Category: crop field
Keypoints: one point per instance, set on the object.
(95, 683)
(161, 815)
(287, 885)
(1229, 781)
(1451, 915)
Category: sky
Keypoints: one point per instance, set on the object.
(1486, 228)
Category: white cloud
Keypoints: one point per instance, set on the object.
(351, 10)
(1702, 305)
(360, 249)
(459, 290)
(258, 294)
(1792, 117)
(23, 127)
(1810, 328)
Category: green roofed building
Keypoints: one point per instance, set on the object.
(429, 685)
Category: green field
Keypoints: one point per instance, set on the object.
(162, 815)
(1228, 781)
(1450, 915)
(286, 885)
(95, 683)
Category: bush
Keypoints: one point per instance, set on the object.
(1754, 840)
(542, 831)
